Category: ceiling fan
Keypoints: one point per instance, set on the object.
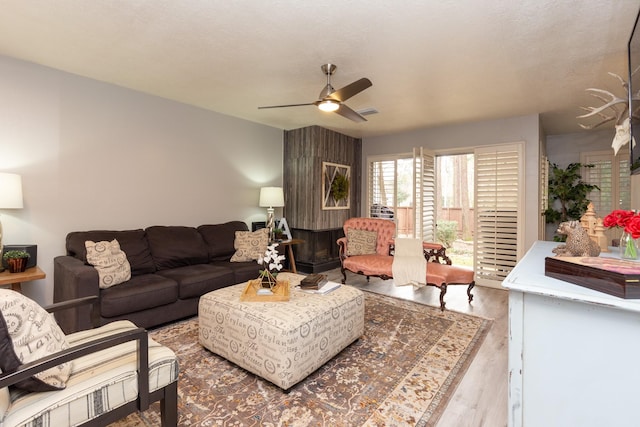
(331, 100)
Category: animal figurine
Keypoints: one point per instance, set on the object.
(578, 242)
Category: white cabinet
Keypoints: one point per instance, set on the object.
(574, 353)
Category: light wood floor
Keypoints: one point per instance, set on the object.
(481, 398)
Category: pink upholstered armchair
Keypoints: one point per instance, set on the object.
(368, 248)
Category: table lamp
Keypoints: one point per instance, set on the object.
(10, 197)
(271, 197)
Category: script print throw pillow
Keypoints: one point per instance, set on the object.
(110, 261)
(361, 242)
(28, 333)
(250, 245)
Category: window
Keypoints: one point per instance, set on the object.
(395, 181)
(611, 174)
(390, 191)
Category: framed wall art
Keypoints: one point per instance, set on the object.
(336, 180)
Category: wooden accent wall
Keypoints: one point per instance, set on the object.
(304, 151)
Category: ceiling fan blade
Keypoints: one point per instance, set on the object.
(350, 114)
(351, 89)
(288, 105)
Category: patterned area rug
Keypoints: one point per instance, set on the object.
(401, 373)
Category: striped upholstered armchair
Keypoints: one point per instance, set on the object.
(92, 377)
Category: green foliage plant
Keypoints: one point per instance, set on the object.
(15, 254)
(567, 193)
(340, 187)
(446, 232)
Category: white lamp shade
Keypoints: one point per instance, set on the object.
(10, 191)
(271, 197)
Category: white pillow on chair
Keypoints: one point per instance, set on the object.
(29, 333)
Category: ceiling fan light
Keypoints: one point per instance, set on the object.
(329, 105)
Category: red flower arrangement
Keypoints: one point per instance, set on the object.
(629, 221)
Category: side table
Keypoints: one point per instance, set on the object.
(16, 279)
(288, 244)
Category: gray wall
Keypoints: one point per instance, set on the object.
(565, 149)
(97, 156)
(463, 138)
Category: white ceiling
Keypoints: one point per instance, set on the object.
(432, 62)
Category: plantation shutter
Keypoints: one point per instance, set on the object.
(382, 188)
(612, 175)
(424, 179)
(498, 196)
(543, 186)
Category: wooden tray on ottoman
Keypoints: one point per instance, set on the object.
(613, 276)
(280, 292)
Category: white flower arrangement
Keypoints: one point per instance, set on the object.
(271, 264)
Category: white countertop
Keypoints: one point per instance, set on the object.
(528, 276)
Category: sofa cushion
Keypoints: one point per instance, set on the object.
(197, 280)
(385, 228)
(132, 242)
(28, 333)
(176, 246)
(139, 293)
(220, 237)
(110, 261)
(250, 245)
(371, 265)
(242, 271)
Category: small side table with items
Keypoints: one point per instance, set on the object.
(16, 279)
(287, 246)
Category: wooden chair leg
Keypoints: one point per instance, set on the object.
(344, 275)
(471, 285)
(443, 290)
(169, 406)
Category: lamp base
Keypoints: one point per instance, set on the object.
(270, 223)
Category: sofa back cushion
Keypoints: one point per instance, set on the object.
(132, 242)
(386, 230)
(176, 246)
(220, 237)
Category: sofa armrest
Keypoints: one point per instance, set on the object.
(342, 245)
(73, 279)
(435, 252)
(78, 302)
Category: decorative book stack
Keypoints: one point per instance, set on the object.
(313, 282)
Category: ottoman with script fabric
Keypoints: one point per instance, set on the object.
(282, 342)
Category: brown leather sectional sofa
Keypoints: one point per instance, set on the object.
(171, 267)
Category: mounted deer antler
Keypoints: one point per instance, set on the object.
(611, 101)
(619, 106)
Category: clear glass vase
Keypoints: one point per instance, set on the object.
(628, 246)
